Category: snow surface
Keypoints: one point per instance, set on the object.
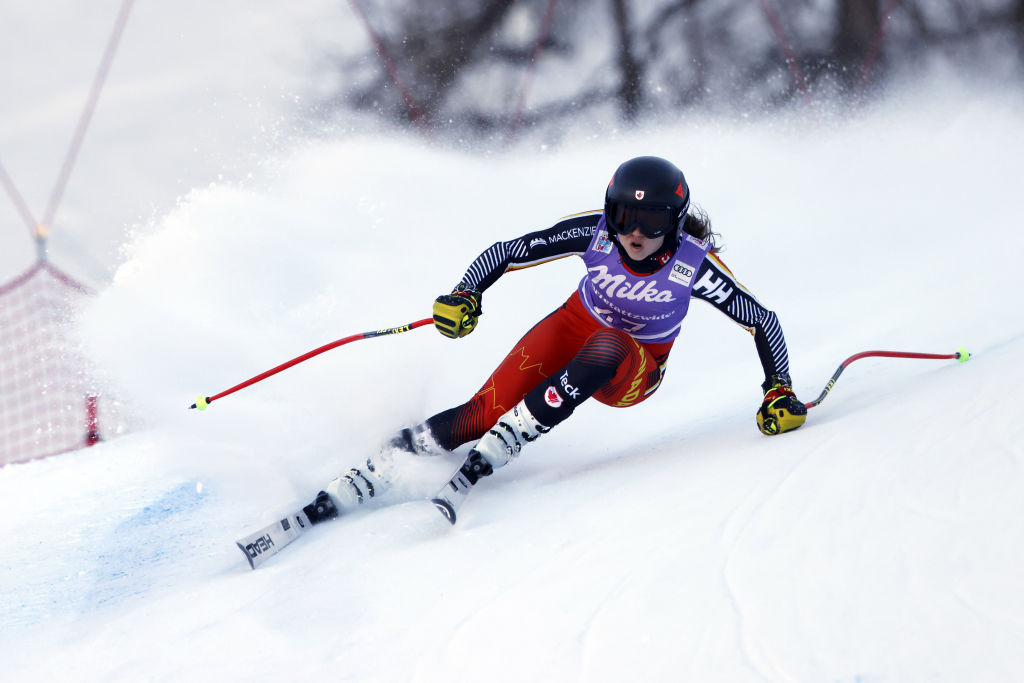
(673, 542)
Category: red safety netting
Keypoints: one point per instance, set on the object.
(47, 405)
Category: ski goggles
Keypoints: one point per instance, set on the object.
(653, 222)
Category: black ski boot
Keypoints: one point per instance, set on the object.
(321, 509)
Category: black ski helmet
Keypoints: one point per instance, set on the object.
(649, 193)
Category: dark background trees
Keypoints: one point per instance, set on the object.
(491, 67)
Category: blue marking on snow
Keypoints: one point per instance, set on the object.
(137, 545)
(139, 550)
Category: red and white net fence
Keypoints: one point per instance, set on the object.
(47, 403)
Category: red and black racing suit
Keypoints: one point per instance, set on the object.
(604, 363)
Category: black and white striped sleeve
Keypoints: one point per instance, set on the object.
(569, 236)
(717, 285)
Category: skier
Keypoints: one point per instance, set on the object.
(646, 254)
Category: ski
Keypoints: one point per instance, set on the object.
(261, 545)
(455, 491)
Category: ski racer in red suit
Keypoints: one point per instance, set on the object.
(646, 254)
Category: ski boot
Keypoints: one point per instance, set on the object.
(370, 482)
(495, 449)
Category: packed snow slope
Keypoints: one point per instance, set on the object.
(883, 541)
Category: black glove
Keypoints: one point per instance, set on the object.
(455, 314)
(780, 410)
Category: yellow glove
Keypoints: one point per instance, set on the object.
(780, 410)
(455, 314)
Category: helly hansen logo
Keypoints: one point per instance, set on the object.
(716, 288)
(259, 546)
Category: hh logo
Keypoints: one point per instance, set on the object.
(716, 288)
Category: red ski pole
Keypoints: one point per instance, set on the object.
(962, 355)
(203, 401)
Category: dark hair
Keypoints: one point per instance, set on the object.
(698, 224)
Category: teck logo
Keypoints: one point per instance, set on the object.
(574, 392)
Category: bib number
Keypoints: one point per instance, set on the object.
(616, 320)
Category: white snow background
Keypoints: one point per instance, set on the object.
(883, 541)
